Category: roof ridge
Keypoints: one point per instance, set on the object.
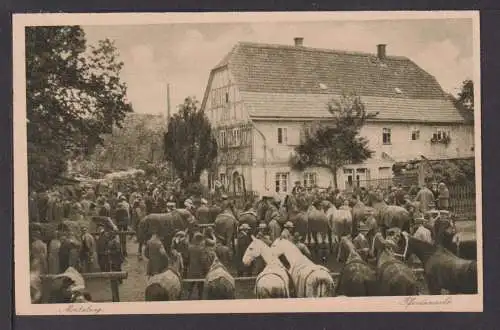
(317, 49)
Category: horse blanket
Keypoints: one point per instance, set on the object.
(280, 272)
(300, 274)
(218, 270)
(170, 280)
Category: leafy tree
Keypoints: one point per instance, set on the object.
(336, 143)
(74, 94)
(189, 143)
(466, 95)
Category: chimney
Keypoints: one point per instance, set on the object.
(299, 42)
(381, 53)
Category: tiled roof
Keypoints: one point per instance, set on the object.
(289, 81)
(290, 69)
(314, 106)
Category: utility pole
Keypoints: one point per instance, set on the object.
(168, 103)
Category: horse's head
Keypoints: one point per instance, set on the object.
(253, 251)
(444, 230)
(399, 241)
(279, 246)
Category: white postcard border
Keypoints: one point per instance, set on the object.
(457, 303)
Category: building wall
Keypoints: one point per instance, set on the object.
(223, 105)
(271, 157)
(403, 148)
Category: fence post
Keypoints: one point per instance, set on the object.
(115, 290)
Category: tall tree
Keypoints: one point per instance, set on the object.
(466, 95)
(74, 94)
(335, 143)
(189, 143)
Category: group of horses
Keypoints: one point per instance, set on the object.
(378, 269)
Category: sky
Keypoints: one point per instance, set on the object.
(183, 54)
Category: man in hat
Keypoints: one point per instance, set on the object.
(103, 208)
(170, 206)
(189, 205)
(287, 232)
(244, 239)
(203, 212)
(297, 189)
(88, 252)
(426, 199)
(122, 215)
(421, 232)
(197, 263)
(156, 254)
(39, 251)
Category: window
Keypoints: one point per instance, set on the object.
(222, 137)
(227, 97)
(223, 178)
(310, 179)
(236, 136)
(441, 134)
(415, 134)
(386, 136)
(348, 171)
(282, 136)
(281, 182)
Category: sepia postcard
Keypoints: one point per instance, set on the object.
(184, 163)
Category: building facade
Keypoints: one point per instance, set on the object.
(261, 99)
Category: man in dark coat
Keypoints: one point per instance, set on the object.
(122, 215)
(156, 254)
(244, 239)
(203, 213)
(198, 264)
(116, 256)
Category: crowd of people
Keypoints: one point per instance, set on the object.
(105, 250)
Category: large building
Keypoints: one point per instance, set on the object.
(261, 98)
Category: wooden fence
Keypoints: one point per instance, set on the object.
(463, 201)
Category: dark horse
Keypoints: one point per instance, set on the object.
(357, 278)
(296, 212)
(388, 216)
(395, 277)
(445, 234)
(443, 269)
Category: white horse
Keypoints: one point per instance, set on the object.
(273, 281)
(310, 280)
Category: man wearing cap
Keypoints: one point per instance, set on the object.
(287, 232)
(203, 212)
(422, 233)
(244, 239)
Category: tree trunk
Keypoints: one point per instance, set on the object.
(334, 172)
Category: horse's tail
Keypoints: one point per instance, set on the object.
(323, 287)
